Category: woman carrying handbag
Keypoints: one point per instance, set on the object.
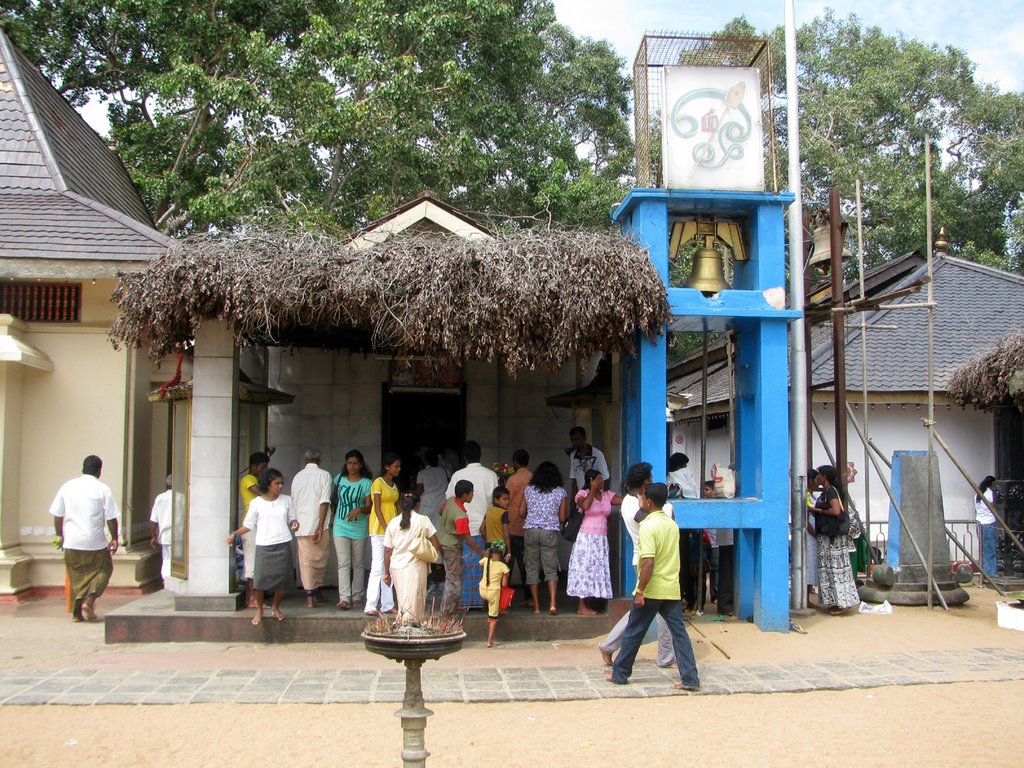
(408, 541)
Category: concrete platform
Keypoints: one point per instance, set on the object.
(153, 619)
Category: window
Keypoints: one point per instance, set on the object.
(42, 302)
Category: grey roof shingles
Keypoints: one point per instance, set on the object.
(64, 195)
(974, 306)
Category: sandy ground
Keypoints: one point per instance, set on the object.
(964, 724)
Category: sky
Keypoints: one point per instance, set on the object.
(991, 32)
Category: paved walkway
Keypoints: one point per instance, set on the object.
(318, 686)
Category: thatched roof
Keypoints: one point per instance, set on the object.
(993, 378)
(533, 299)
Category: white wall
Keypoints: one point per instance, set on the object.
(900, 427)
(337, 407)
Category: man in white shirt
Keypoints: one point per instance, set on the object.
(80, 510)
(160, 520)
(311, 500)
(583, 458)
(484, 482)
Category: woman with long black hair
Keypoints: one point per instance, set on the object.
(384, 498)
(837, 591)
(402, 569)
(546, 509)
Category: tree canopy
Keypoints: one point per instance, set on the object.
(867, 100)
(331, 113)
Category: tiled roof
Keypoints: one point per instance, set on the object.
(974, 306)
(37, 225)
(63, 193)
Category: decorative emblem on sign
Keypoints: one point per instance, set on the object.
(712, 130)
(726, 133)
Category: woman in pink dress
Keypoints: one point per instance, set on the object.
(589, 571)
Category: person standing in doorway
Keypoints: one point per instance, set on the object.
(311, 497)
(81, 509)
(431, 482)
(384, 496)
(583, 458)
(989, 528)
(160, 522)
(248, 489)
(516, 485)
(453, 533)
(657, 593)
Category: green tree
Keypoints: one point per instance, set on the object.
(331, 113)
(867, 100)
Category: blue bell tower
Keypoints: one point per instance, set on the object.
(750, 307)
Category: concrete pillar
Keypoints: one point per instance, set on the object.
(15, 356)
(213, 471)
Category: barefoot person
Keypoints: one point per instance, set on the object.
(657, 593)
(545, 512)
(495, 576)
(248, 489)
(837, 591)
(273, 518)
(81, 509)
(453, 534)
(589, 571)
(311, 499)
(402, 568)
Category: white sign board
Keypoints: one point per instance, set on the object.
(711, 128)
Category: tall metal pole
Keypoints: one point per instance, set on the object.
(797, 339)
(864, 380)
(932, 458)
(838, 332)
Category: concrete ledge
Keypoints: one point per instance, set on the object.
(156, 618)
(208, 603)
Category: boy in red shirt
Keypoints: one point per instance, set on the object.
(452, 533)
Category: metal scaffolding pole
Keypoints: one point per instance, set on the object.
(864, 380)
(930, 421)
(797, 338)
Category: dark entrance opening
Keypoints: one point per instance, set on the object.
(412, 420)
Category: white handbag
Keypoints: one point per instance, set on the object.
(424, 549)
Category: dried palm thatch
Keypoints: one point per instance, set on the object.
(533, 300)
(993, 378)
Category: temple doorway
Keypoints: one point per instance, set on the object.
(414, 420)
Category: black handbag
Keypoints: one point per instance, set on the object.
(571, 526)
(829, 525)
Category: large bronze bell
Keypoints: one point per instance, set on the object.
(708, 273)
(821, 248)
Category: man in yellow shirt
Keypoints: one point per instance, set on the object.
(657, 593)
(248, 489)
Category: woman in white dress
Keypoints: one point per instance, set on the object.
(402, 569)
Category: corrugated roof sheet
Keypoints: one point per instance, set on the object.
(975, 305)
